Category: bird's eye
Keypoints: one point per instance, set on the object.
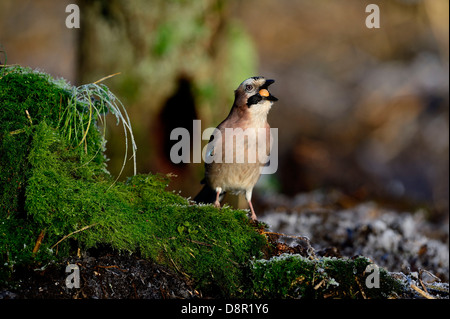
(248, 87)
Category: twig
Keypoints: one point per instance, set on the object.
(39, 241)
(21, 130)
(29, 117)
(421, 271)
(319, 284)
(8, 65)
(112, 266)
(421, 292)
(199, 242)
(361, 289)
(423, 285)
(304, 238)
(173, 263)
(72, 233)
(18, 131)
(283, 235)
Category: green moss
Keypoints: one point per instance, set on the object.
(294, 276)
(54, 182)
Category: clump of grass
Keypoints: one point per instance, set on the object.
(107, 100)
(57, 195)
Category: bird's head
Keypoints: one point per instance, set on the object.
(253, 97)
(254, 92)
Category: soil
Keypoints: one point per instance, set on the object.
(104, 274)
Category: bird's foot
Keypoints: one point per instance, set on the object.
(217, 204)
(253, 215)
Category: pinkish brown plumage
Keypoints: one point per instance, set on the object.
(248, 114)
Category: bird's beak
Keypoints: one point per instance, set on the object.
(264, 92)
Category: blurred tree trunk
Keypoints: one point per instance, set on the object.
(179, 61)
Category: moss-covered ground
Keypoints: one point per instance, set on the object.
(56, 196)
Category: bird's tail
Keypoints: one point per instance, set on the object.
(207, 195)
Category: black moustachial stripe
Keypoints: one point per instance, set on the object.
(255, 99)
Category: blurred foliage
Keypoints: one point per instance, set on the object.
(156, 45)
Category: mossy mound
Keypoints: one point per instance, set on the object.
(294, 276)
(56, 194)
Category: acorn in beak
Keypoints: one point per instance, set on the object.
(264, 92)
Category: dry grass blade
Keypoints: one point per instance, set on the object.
(72, 233)
(39, 241)
(106, 77)
(88, 125)
(421, 292)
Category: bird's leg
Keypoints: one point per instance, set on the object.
(217, 202)
(252, 210)
(248, 197)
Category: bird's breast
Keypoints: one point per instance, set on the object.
(239, 154)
